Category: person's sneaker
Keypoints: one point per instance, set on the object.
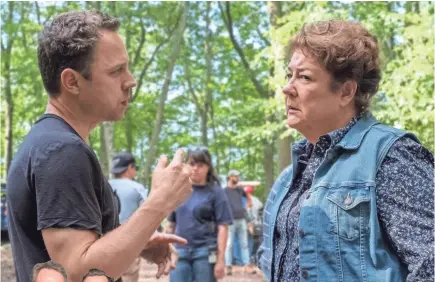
(229, 270)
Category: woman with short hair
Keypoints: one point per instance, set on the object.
(357, 202)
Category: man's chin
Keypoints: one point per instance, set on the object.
(114, 118)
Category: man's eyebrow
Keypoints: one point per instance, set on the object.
(116, 65)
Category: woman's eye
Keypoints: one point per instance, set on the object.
(304, 77)
(288, 76)
(118, 70)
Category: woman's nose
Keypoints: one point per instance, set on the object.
(289, 89)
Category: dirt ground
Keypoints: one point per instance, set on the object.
(147, 273)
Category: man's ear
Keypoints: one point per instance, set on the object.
(348, 90)
(69, 81)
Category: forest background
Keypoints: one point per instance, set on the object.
(211, 73)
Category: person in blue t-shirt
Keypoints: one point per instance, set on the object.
(203, 221)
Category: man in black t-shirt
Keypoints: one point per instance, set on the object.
(239, 228)
(60, 205)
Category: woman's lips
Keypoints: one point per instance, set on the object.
(292, 110)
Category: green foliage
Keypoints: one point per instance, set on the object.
(239, 127)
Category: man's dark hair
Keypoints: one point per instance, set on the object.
(68, 41)
(97, 272)
(49, 265)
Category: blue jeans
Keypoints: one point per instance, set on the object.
(192, 266)
(240, 228)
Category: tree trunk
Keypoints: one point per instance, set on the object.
(204, 138)
(9, 109)
(129, 131)
(213, 125)
(176, 46)
(106, 147)
(279, 58)
(208, 90)
(268, 164)
(268, 150)
(284, 153)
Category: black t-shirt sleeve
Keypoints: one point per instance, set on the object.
(67, 188)
(242, 192)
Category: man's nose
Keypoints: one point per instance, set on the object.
(130, 82)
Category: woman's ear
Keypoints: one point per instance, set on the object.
(348, 91)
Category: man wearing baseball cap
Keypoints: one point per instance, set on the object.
(131, 195)
(235, 195)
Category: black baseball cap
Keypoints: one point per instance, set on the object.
(121, 161)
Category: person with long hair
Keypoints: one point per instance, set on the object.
(203, 220)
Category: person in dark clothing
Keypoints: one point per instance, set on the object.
(203, 220)
(239, 228)
(61, 207)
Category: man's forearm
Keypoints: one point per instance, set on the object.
(114, 252)
(222, 242)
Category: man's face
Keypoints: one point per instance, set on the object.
(105, 96)
(132, 171)
(49, 275)
(101, 278)
(234, 179)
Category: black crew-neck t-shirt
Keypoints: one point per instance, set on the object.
(235, 198)
(54, 181)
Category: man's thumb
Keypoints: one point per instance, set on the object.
(172, 239)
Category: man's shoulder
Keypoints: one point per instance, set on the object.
(42, 145)
(49, 132)
(119, 183)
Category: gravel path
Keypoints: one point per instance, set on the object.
(147, 273)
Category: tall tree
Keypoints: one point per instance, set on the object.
(107, 127)
(268, 143)
(176, 47)
(280, 57)
(9, 109)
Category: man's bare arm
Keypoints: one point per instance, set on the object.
(222, 242)
(248, 200)
(80, 250)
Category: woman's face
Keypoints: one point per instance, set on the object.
(310, 103)
(199, 172)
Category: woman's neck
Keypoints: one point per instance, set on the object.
(200, 183)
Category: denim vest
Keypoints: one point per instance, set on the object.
(340, 235)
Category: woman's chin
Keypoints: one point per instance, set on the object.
(292, 122)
